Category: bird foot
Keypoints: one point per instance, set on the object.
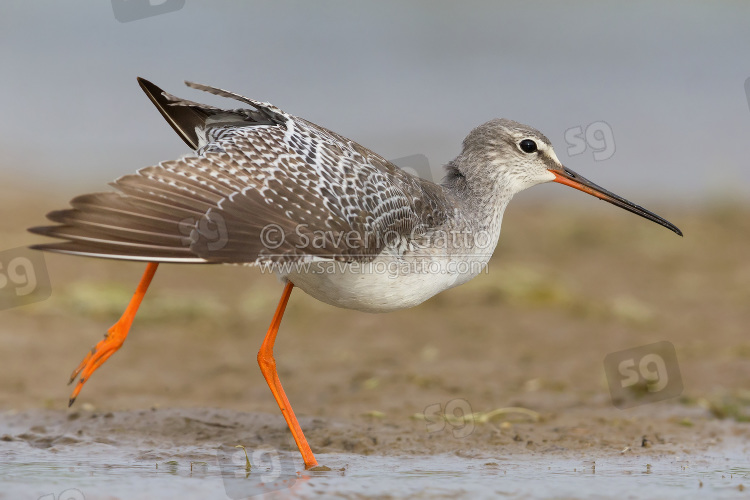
(98, 354)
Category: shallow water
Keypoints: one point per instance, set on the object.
(61, 473)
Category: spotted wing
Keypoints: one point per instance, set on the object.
(264, 186)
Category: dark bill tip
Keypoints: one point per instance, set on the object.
(572, 179)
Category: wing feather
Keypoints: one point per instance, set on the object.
(325, 195)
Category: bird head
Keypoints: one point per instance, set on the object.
(507, 157)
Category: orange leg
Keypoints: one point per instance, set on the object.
(115, 336)
(268, 367)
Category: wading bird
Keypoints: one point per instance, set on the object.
(329, 216)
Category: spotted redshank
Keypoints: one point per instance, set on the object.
(327, 215)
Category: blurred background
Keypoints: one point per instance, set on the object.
(401, 78)
(647, 99)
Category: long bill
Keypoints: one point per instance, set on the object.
(572, 179)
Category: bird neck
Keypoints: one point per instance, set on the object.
(481, 200)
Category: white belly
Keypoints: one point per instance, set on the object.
(386, 284)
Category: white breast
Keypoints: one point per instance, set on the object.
(388, 283)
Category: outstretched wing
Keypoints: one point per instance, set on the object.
(263, 186)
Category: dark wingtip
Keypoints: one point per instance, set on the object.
(152, 91)
(143, 82)
(182, 119)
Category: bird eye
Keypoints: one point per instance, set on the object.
(527, 146)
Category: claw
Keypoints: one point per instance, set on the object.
(81, 365)
(99, 354)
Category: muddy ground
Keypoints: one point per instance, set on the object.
(567, 286)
